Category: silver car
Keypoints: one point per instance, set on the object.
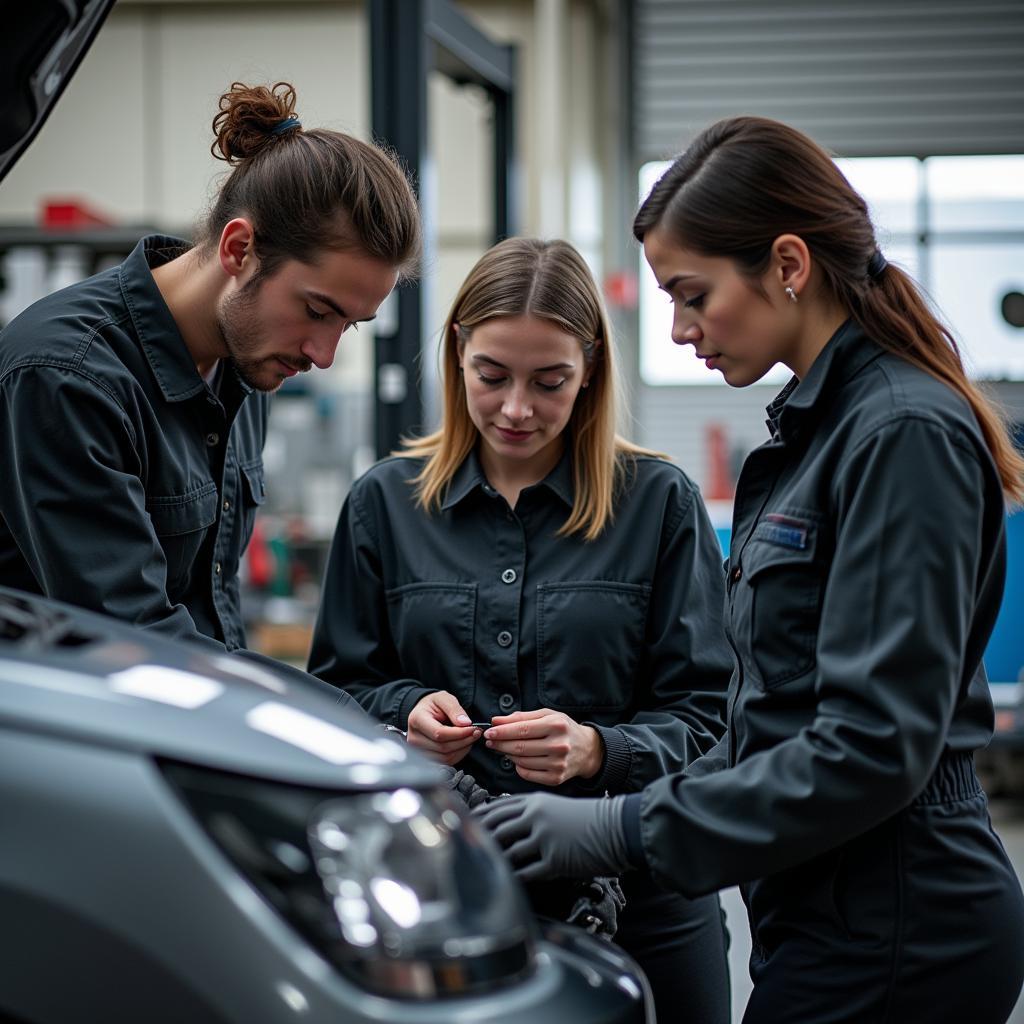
(192, 838)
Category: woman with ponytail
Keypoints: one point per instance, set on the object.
(865, 575)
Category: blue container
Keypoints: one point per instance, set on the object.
(1004, 656)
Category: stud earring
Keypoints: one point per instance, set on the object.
(791, 294)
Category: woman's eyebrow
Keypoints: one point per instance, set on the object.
(673, 281)
(480, 358)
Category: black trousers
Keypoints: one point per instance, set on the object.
(682, 946)
(921, 919)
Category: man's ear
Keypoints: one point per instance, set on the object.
(791, 263)
(237, 248)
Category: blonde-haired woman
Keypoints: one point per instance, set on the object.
(525, 566)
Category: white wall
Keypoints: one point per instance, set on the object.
(92, 145)
(131, 134)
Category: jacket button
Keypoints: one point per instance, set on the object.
(504, 638)
(508, 576)
(212, 439)
(216, 569)
(506, 763)
(227, 505)
(737, 575)
(506, 702)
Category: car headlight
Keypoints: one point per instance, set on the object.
(396, 888)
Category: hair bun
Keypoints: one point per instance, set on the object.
(247, 118)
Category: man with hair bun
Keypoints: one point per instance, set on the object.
(134, 404)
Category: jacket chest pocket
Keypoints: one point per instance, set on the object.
(432, 630)
(776, 603)
(590, 638)
(254, 494)
(181, 522)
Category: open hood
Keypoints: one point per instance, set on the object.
(42, 42)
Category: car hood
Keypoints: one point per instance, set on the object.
(42, 42)
(90, 679)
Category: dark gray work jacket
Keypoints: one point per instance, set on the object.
(623, 633)
(129, 486)
(866, 572)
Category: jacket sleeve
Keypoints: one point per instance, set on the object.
(74, 502)
(895, 616)
(352, 645)
(685, 670)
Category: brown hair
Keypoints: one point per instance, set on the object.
(307, 190)
(550, 280)
(746, 180)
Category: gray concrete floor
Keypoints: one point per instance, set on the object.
(1008, 817)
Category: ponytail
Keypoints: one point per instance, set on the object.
(893, 312)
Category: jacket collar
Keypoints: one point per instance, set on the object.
(560, 480)
(470, 476)
(845, 354)
(169, 358)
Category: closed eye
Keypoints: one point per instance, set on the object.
(696, 302)
(314, 315)
(551, 387)
(492, 381)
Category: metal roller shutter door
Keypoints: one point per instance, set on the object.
(864, 78)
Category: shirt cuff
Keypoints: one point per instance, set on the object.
(631, 830)
(617, 760)
(409, 700)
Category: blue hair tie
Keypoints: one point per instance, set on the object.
(285, 126)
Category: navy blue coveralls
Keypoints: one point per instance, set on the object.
(866, 572)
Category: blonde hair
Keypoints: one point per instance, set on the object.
(549, 280)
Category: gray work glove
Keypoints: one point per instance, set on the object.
(598, 907)
(546, 836)
(466, 786)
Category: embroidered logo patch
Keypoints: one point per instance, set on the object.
(784, 531)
